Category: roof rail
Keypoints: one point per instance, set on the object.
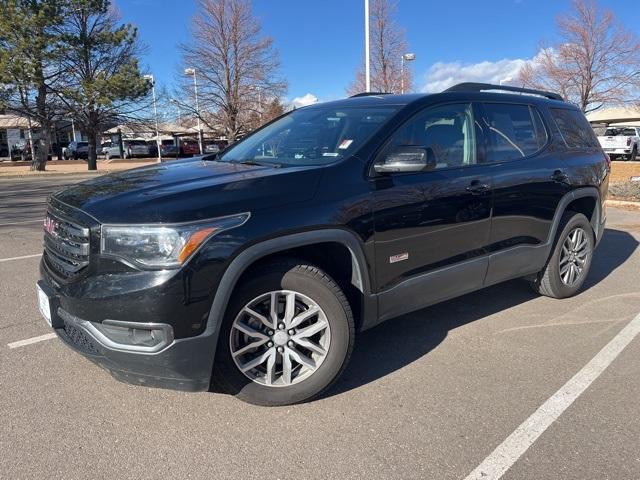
(480, 87)
(368, 94)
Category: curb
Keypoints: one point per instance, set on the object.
(54, 174)
(622, 203)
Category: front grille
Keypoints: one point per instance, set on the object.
(66, 245)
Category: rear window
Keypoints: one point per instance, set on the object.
(615, 132)
(574, 128)
(514, 131)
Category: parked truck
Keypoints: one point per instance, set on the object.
(621, 142)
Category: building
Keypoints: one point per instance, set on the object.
(618, 116)
(15, 131)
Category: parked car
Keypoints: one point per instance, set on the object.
(211, 147)
(22, 151)
(621, 142)
(76, 150)
(16, 150)
(132, 148)
(169, 148)
(189, 148)
(4, 151)
(104, 147)
(254, 269)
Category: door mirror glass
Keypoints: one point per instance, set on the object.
(407, 159)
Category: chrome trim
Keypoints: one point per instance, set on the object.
(105, 342)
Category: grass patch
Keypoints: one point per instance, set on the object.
(629, 191)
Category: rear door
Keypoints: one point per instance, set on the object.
(432, 227)
(529, 180)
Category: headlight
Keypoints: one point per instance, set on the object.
(162, 246)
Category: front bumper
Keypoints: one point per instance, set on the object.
(185, 364)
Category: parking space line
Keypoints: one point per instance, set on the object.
(29, 341)
(516, 444)
(25, 222)
(20, 258)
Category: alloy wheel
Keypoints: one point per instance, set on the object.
(574, 255)
(280, 338)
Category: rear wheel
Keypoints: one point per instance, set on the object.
(634, 154)
(287, 336)
(569, 264)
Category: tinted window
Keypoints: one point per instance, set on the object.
(449, 131)
(514, 131)
(574, 128)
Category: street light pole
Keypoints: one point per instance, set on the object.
(155, 112)
(408, 57)
(192, 71)
(367, 69)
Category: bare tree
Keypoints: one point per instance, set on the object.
(388, 45)
(236, 67)
(595, 61)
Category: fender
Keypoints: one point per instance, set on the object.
(360, 272)
(562, 206)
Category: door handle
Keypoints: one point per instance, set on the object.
(560, 177)
(476, 187)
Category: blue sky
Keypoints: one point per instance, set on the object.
(321, 42)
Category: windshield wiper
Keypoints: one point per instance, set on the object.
(257, 163)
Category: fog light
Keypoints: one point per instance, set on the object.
(131, 336)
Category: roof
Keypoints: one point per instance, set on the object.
(615, 115)
(464, 91)
(15, 121)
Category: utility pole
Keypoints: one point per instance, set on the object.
(367, 70)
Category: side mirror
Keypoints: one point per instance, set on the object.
(407, 159)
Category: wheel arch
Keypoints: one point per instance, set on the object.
(585, 200)
(252, 255)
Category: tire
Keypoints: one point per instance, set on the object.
(334, 341)
(554, 280)
(634, 154)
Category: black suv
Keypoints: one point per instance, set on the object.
(255, 268)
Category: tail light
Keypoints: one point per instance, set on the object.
(608, 160)
(629, 142)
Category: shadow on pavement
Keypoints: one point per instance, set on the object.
(400, 341)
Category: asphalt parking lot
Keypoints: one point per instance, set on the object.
(451, 392)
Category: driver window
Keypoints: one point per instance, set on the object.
(448, 130)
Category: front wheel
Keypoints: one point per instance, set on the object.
(569, 264)
(287, 336)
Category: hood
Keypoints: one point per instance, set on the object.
(184, 191)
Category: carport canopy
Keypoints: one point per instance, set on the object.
(615, 116)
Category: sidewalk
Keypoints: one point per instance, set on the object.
(62, 167)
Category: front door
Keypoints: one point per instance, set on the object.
(432, 227)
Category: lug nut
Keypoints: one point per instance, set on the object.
(281, 349)
(270, 344)
(270, 332)
(290, 343)
(292, 331)
(281, 326)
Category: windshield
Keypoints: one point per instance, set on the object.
(311, 136)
